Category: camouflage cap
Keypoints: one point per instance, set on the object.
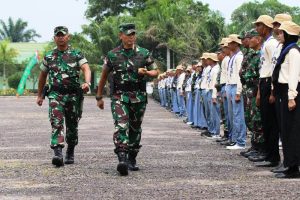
(64, 30)
(127, 29)
(253, 33)
(243, 35)
(195, 62)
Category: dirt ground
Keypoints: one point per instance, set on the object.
(175, 161)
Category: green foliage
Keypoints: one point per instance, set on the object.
(186, 27)
(13, 80)
(247, 13)
(100, 9)
(16, 31)
(7, 58)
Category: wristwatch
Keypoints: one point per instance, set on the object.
(89, 83)
(98, 98)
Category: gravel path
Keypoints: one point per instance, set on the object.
(175, 161)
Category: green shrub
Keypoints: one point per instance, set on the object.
(13, 80)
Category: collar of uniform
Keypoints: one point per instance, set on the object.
(57, 50)
(135, 48)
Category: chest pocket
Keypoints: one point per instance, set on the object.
(70, 65)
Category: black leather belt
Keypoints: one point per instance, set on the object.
(267, 79)
(130, 87)
(62, 90)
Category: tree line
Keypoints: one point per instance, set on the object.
(185, 27)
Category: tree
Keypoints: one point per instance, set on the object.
(100, 9)
(186, 27)
(16, 31)
(13, 80)
(7, 56)
(243, 16)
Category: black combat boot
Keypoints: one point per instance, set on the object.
(69, 159)
(122, 166)
(57, 159)
(132, 161)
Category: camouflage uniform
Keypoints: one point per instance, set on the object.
(129, 97)
(250, 79)
(65, 94)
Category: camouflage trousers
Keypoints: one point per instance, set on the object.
(65, 109)
(128, 118)
(253, 118)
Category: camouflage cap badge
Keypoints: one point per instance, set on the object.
(64, 30)
(127, 29)
(253, 33)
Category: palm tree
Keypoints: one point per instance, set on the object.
(16, 32)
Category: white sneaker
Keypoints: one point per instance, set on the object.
(235, 147)
(189, 123)
(216, 137)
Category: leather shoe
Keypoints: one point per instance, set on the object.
(257, 158)
(242, 153)
(205, 133)
(280, 169)
(251, 153)
(283, 175)
(222, 139)
(289, 174)
(226, 142)
(231, 144)
(292, 172)
(266, 164)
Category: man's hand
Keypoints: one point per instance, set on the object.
(214, 100)
(237, 98)
(142, 71)
(39, 101)
(291, 104)
(271, 99)
(100, 104)
(258, 100)
(85, 87)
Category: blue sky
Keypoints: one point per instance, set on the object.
(44, 15)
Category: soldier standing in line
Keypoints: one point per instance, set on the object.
(250, 78)
(130, 65)
(63, 65)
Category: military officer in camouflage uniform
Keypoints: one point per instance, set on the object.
(62, 66)
(130, 65)
(250, 79)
